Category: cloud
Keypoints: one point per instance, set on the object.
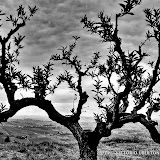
(57, 21)
(3, 97)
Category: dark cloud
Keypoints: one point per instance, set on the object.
(57, 21)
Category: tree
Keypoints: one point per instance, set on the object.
(127, 67)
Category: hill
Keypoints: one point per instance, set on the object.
(42, 139)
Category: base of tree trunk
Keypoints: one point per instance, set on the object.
(87, 153)
(88, 146)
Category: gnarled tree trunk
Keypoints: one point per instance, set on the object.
(87, 151)
(87, 141)
(88, 145)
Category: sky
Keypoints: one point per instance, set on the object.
(53, 26)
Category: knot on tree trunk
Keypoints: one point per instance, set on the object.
(84, 97)
(103, 129)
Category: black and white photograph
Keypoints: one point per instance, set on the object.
(79, 80)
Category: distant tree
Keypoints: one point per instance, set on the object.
(127, 67)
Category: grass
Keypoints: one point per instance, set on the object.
(40, 151)
(133, 139)
(61, 145)
(131, 142)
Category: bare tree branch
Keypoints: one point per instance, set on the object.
(42, 104)
(152, 84)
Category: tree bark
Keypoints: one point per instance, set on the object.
(87, 152)
(87, 141)
(88, 146)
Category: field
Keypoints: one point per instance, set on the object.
(42, 139)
